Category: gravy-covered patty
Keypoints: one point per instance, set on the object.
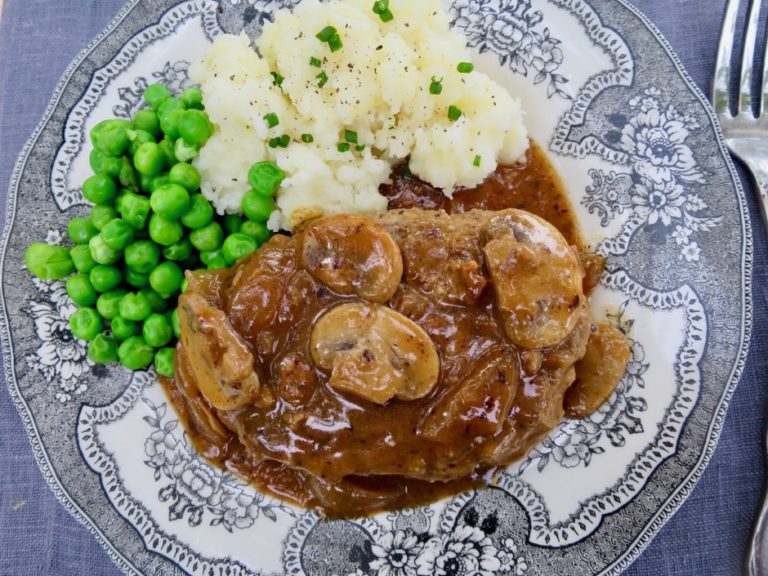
(368, 363)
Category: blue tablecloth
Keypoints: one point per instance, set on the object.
(709, 534)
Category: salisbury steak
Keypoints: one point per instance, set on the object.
(364, 359)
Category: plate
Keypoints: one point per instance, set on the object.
(642, 157)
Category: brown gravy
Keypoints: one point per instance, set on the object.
(532, 185)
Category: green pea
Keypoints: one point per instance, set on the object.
(142, 256)
(134, 353)
(112, 166)
(108, 304)
(155, 95)
(136, 279)
(101, 252)
(175, 324)
(256, 207)
(109, 165)
(166, 278)
(138, 138)
(170, 201)
(232, 223)
(192, 98)
(199, 214)
(145, 183)
(96, 160)
(217, 263)
(157, 330)
(237, 246)
(164, 231)
(195, 127)
(123, 329)
(135, 306)
(86, 324)
(101, 215)
(159, 181)
(156, 300)
(128, 177)
(265, 178)
(102, 349)
(169, 152)
(169, 122)
(117, 234)
(256, 230)
(100, 189)
(81, 258)
(81, 230)
(184, 286)
(164, 362)
(149, 159)
(135, 210)
(184, 151)
(170, 105)
(48, 262)
(118, 203)
(179, 251)
(186, 175)
(105, 278)
(207, 238)
(81, 291)
(206, 257)
(109, 137)
(148, 121)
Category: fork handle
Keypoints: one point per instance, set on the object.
(757, 558)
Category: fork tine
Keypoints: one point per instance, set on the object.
(748, 60)
(724, 57)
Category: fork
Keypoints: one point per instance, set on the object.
(746, 135)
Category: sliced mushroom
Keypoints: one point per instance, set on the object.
(217, 357)
(351, 255)
(536, 276)
(598, 372)
(375, 353)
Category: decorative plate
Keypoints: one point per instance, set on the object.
(640, 152)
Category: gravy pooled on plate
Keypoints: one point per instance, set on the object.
(369, 363)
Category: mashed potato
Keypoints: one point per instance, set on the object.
(378, 87)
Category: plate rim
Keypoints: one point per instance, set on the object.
(651, 528)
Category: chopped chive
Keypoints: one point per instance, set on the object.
(283, 141)
(322, 79)
(436, 87)
(478, 160)
(307, 138)
(465, 67)
(272, 119)
(335, 43)
(278, 79)
(387, 16)
(454, 113)
(315, 62)
(380, 6)
(343, 147)
(360, 147)
(350, 136)
(274, 142)
(326, 34)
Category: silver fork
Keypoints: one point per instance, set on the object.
(746, 135)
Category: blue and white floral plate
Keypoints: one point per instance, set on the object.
(640, 153)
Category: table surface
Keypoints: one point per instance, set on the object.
(708, 535)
